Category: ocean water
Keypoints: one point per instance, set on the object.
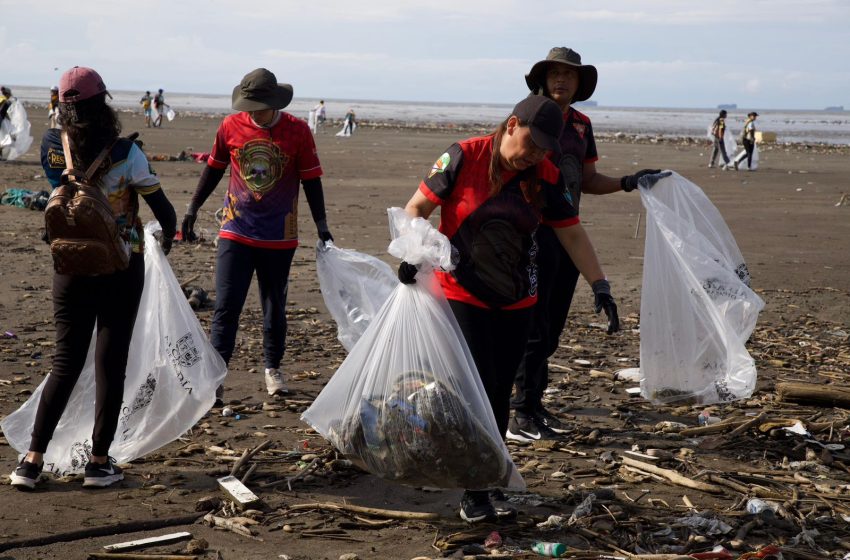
(789, 126)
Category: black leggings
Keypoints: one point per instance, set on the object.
(497, 340)
(79, 303)
(748, 153)
(557, 277)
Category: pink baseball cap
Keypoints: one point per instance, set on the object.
(80, 83)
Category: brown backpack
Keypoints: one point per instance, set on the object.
(84, 237)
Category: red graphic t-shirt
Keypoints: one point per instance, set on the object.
(267, 165)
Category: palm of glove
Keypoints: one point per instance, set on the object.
(187, 228)
(606, 302)
(643, 178)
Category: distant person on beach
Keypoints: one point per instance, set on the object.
(104, 304)
(718, 130)
(145, 102)
(159, 107)
(494, 192)
(563, 78)
(270, 152)
(748, 139)
(321, 114)
(350, 123)
(53, 108)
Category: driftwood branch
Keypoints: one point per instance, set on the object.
(673, 476)
(117, 529)
(246, 456)
(814, 394)
(132, 556)
(375, 512)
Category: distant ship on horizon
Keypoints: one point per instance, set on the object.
(835, 108)
(728, 106)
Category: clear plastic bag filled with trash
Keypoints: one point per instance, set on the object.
(697, 308)
(407, 404)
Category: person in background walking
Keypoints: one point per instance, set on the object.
(718, 130)
(145, 102)
(53, 108)
(748, 139)
(159, 107)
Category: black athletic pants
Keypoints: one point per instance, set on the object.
(235, 266)
(557, 277)
(79, 303)
(748, 147)
(497, 340)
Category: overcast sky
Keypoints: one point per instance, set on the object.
(771, 54)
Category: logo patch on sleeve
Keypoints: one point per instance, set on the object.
(440, 165)
(55, 159)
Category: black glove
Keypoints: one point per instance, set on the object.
(325, 235)
(643, 178)
(603, 300)
(165, 243)
(407, 272)
(187, 228)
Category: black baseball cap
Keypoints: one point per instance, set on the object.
(545, 119)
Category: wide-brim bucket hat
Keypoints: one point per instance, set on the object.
(536, 77)
(259, 90)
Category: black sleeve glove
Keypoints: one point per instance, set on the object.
(165, 243)
(407, 272)
(643, 178)
(187, 228)
(603, 300)
(324, 232)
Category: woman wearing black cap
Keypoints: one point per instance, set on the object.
(563, 78)
(748, 138)
(494, 191)
(110, 301)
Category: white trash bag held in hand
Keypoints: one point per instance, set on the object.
(407, 403)
(697, 309)
(172, 374)
(354, 286)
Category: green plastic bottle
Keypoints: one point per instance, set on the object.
(551, 549)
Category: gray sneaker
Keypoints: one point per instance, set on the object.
(274, 382)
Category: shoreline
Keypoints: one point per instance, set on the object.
(482, 128)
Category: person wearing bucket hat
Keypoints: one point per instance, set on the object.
(270, 152)
(494, 191)
(109, 302)
(562, 77)
(748, 139)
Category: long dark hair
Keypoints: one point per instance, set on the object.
(529, 176)
(91, 125)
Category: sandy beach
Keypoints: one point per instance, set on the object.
(787, 223)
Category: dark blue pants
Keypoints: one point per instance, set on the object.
(557, 277)
(497, 341)
(235, 266)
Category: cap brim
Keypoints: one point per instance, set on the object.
(278, 98)
(544, 141)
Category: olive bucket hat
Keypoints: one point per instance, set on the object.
(259, 90)
(536, 78)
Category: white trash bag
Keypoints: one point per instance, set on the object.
(15, 137)
(354, 286)
(697, 309)
(172, 375)
(729, 144)
(742, 156)
(169, 113)
(407, 404)
(312, 121)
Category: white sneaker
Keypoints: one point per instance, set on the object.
(274, 382)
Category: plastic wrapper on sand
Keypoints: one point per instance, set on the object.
(407, 403)
(697, 308)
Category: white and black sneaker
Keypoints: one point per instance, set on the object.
(274, 382)
(25, 477)
(101, 475)
(546, 418)
(527, 429)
